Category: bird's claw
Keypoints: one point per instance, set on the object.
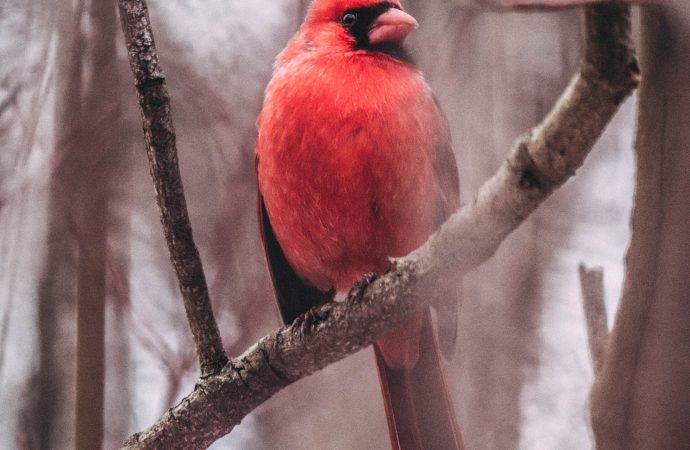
(310, 320)
(357, 291)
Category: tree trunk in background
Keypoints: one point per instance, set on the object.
(495, 80)
(87, 117)
(641, 399)
(54, 409)
(93, 160)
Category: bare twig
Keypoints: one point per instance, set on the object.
(162, 152)
(592, 284)
(539, 163)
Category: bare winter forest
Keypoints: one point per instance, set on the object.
(94, 340)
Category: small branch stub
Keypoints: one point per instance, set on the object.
(594, 306)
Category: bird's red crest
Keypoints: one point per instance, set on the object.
(329, 10)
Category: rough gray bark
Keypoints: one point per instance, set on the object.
(641, 399)
(162, 152)
(540, 162)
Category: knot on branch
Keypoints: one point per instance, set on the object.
(532, 179)
(619, 82)
(154, 97)
(257, 368)
(151, 84)
(214, 365)
(237, 369)
(267, 359)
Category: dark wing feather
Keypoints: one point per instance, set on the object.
(294, 295)
(446, 169)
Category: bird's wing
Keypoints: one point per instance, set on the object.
(294, 295)
(446, 169)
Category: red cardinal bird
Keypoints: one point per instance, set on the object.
(355, 166)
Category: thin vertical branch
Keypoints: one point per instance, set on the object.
(592, 285)
(159, 134)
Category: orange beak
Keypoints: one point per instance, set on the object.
(393, 26)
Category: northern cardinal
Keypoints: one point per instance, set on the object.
(354, 166)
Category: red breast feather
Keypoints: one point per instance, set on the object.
(345, 154)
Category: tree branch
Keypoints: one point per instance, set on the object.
(592, 284)
(539, 162)
(161, 149)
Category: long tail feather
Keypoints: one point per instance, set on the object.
(418, 407)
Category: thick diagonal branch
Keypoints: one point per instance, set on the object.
(162, 153)
(540, 161)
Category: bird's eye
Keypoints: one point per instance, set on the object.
(349, 19)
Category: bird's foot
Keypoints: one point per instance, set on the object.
(356, 293)
(311, 320)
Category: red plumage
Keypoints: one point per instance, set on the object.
(355, 166)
